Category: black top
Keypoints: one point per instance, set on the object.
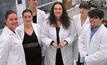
(57, 34)
(33, 54)
(30, 38)
(59, 60)
(35, 19)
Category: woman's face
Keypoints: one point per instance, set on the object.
(58, 10)
(33, 3)
(84, 11)
(12, 21)
(27, 17)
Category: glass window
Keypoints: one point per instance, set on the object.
(4, 6)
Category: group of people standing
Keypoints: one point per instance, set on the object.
(56, 40)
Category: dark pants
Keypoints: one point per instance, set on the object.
(78, 62)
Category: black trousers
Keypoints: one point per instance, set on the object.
(78, 62)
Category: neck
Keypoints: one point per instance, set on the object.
(27, 25)
(58, 22)
(83, 16)
(34, 10)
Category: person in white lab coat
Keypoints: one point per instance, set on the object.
(94, 40)
(57, 36)
(80, 21)
(39, 16)
(30, 36)
(11, 49)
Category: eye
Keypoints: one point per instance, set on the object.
(25, 17)
(16, 18)
(11, 19)
(29, 16)
(60, 8)
(55, 8)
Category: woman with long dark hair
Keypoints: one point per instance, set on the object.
(58, 35)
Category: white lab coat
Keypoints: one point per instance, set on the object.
(41, 17)
(36, 28)
(96, 48)
(11, 49)
(77, 21)
(49, 35)
(79, 28)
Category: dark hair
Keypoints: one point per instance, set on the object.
(96, 13)
(85, 5)
(27, 10)
(8, 13)
(65, 20)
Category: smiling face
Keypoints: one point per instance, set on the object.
(58, 10)
(12, 21)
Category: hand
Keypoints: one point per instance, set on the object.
(62, 44)
(54, 45)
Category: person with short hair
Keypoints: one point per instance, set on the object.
(93, 40)
(81, 20)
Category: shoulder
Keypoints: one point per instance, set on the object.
(40, 11)
(20, 29)
(4, 37)
(20, 26)
(104, 29)
(76, 16)
(35, 25)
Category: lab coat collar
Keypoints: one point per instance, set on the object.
(8, 30)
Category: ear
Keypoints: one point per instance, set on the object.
(5, 22)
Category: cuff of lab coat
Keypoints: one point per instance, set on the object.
(68, 40)
(48, 42)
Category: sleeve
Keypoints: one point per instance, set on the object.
(46, 40)
(72, 35)
(37, 26)
(81, 45)
(4, 51)
(72, 40)
(42, 17)
(100, 56)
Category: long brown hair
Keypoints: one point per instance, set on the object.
(65, 20)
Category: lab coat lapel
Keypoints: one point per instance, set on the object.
(35, 29)
(84, 26)
(22, 31)
(52, 31)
